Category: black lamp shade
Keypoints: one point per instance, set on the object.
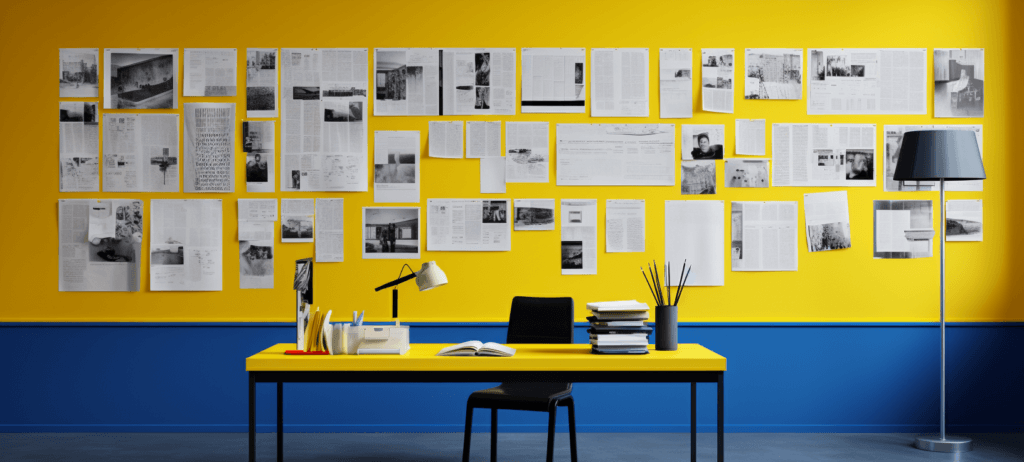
(932, 155)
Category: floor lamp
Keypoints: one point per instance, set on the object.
(940, 155)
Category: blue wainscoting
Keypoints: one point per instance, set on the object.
(782, 378)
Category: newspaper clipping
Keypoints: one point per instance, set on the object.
(79, 146)
(478, 81)
(716, 77)
(750, 137)
(774, 73)
(619, 82)
(468, 225)
(210, 71)
(579, 236)
(258, 145)
(140, 78)
(526, 152)
(828, 221)
(615, 154)
(903, 229)
(391, 233)
(209, 147)
(109, 260)
(396, 166)
(554, 81)
(764, 236)
(185, 252)
(867, 81)
(256, 219)
(261, 82)
(407, 81)
(492, 175)
(695, 232)
(675, 73)
(483, 139)
(624, 225)
(823, 155)
(746, 173)
(964, 220)
(79, 75)
(140, 152)
(297, 220)
(535, 214)
(445, 138)
(893, 142)
(959, 82)
(330, 230)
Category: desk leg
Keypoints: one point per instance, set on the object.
(721, 416)
(693, 421)
(252, 417)
(280, 422)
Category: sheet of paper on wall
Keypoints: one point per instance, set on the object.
(483, 139)
(624, 225)
(297, 220)
(774, 73)
(258, 146)
(716, 79)
(209, 147)
(903, 229)
(959, 82)
(764, 236)
(695, 232)
(554, 81)
(675, 75)
(867, 81)
(823, 155)
(445, 139)
(406, 81)
(396, 166)
(526, 152)
(79, 72)
(750, 137)
(492, 175)
(478, 81)
(330, 230)
(140, 78)
(893, 142)
(107, 264)
(469, 225)
(257, 210)
(964, 220)
(79, 146)
(579, 236)
(619, 79)
(746, 173)
(256, 255)
(261, 82)
(702, 141)
(140, 152)
(323, 124)
(101, 220)
(615, 154)
(210, 72)
(698, 177)
(185, 252)
(391, 233)
(534, 214)
(827, 217)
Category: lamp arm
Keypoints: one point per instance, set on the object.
(395, 282)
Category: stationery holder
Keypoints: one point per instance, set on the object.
(666, 324)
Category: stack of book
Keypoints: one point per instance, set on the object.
(619, 327)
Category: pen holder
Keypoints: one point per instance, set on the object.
(666, 324)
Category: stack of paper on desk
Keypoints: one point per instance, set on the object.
(618, 327)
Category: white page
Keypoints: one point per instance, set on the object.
(140, 78)
(79, 72)
(695, 232)
(579, 236)
(445, 138)
(824, 155)
(396, 166)
(774, 73)
(79, 150)
(698, 177)
(101, 220)
(297, 220)
(210, 72)
(827, 217)
(526, 152)
(492, 175)
(867, 80)
(391, 233)
(716, 79)
(185, 250)
(483, 139)
(209, 147)
(964, 219)
(746, 173)
(535, 214)
(624, 226)
(330, 230)
(258, 146)
(105, 264)
(764, 236)
(256, 255)
(619, 82)
(702, 141)
(406, 81)
(750, 137)
(675, 74)
(468, 225)
(615, 154)
(478, 81)
(140, 152)
(959, 82)
(893, 142)
(261, 82)
(553, 81)
(903, 229)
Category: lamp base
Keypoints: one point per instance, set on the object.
(934, 443)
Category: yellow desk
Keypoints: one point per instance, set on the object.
(532, 363)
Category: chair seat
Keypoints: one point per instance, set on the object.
(529, 396)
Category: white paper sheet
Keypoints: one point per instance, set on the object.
(902, 228)
(478, 81)
(535, 214)
(140, 78)
(391, 233)
(256, 253)
(396, 166)
(526, 152)
(554, 80)
(140, 152)
(824, 155)
(579, 236)
(746, 173)
(702, 141)
(827, 217)
(698, 177)
(185, 250)
(330, 230)
(210, 72)
(468, 225)
(615, 154)
(492, 175)
(109, 264)
(445, 138)
(79, 146)
(774, 73)
(209, 147)
(959, 82)
(79, 73)
(406, 81)
(624, 225)
(257, 210)
(893, 142)
(750, 137)
(483, 139)
(764, 236)
(619, 82)
(867, 80)
(258, 146)
(964, 220)
(675, 74)
(261, 66)
(716, 79)
(297, 220)
(695, 232)
(101, 220)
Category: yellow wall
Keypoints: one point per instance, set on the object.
(984, 278)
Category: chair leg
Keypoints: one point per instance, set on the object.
(551, 432)
(494, 434)
(469, 431)
(572, 429)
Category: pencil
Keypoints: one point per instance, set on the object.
(657, 276)
(679, 289)
(649, 284)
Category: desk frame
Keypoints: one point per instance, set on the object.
(280, 377)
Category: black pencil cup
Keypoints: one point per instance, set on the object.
(666, 324)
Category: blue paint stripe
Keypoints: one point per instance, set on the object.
(505, 324)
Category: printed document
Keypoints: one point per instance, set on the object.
(764, 236)
(675, 74)
(827, 217)
(619, 82)
(579, 236)
(185, 250)
(483, 139)
(553, 80)
(468, 225)
(79, 146)
(330, 230)
(107, 264)
(695, 232)
(256, 219)
(445, 138)
(140, 152)
(703, 142)
(750, 137)
(615, 154)
(209, 147)
(210, 71)
(867, 81)
(774, 73)
(964, 220)
(258, 146)
(257, 210)
(893, 142)
(823, 155)
(140, 78)
(478, 81)
(297, 220)
(261, 82)
(535, 214)
(716, 79)
(492, 175)
(406, 81)
(624, 226)
(396, 166)
(526, 152)
(79, 74)
(903, 229)
(746, 173)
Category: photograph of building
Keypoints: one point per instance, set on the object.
(142, 81)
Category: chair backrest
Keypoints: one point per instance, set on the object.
(540, 320)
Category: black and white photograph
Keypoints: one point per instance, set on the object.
(828, 236)
(255, 168)
(903, 229)
(296, 227)
(816, 65)
(255, 259)
(483, 98)
(391, 77)
(391, 232)
(79, 75)
(736, 242)
(534, 215)
(959, 82)
(774, 73)
(483, 69)
(575, 216)
(336, 111)
(259, 98)
(743, 173)
(698, 177)
(401, 168)
(306, 93)
(964, 220)
(336, 90)
(258, 145)
(495, 211)
(355, 111)
(261, 82)
(701, 142)
(579, 73)
(860, 164)
(836, 66)
(127, 241)
(717, 71)
(145, 79)
(856, 70)
(572, 255)
(167, 255)
(296, 179)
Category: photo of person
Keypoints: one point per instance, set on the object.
(828, 236)
(494, 211)
(483, 98)
(483, 69)
(391, 232)
(255, 260)
(703, 142)
(860, 164)
(296, 179)
(255, 168)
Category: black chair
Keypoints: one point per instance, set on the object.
(532, 320)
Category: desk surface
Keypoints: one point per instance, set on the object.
(528, 357)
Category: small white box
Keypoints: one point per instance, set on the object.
(382, 340)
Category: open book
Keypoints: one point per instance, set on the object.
(476, 348)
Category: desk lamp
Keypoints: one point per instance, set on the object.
(428, 277)
(940, 155)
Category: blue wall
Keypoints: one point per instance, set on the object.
(781, 378)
